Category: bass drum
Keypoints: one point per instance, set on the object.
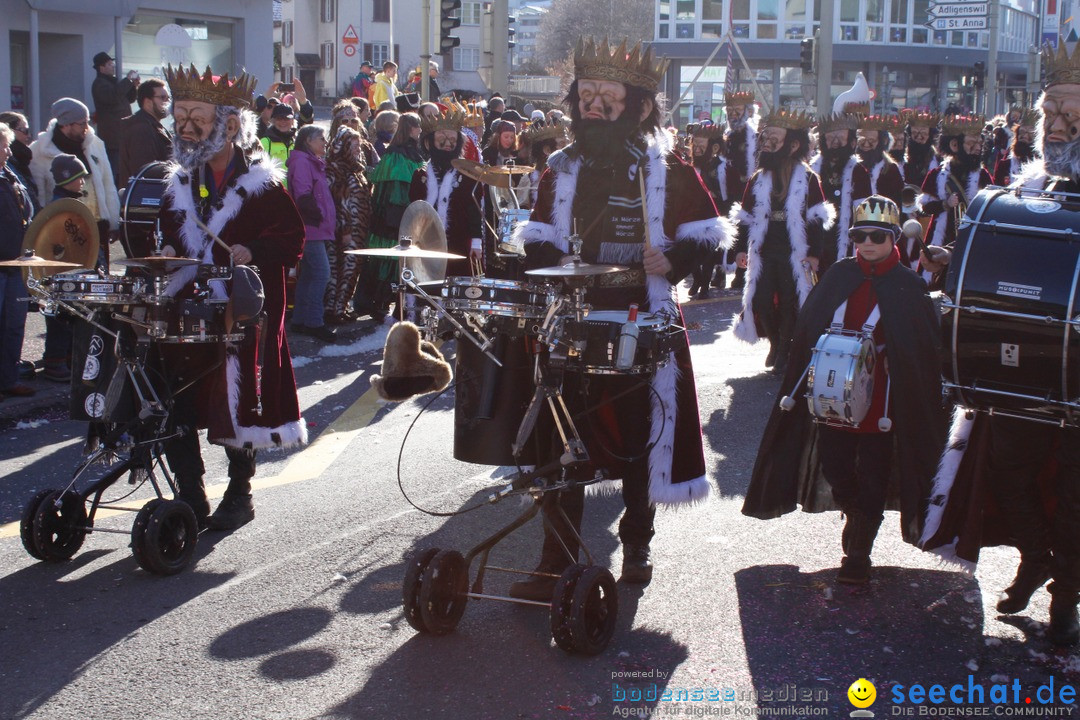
(140, 203)
(1011, 331)
(490, 402)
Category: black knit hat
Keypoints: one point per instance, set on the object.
(66, 168)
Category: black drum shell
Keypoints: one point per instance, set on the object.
(490, 402)
(1019, 257)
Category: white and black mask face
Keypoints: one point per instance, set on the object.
(1058, 135)
(201, 133)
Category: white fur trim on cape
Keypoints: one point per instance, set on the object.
(262, 173)
(847, 205)
(713, 233)
(875, 174)
(948, 466)
(438, 194)
(757, 222)
(721, 177)
(1033, 176)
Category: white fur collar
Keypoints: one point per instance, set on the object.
(438, 194)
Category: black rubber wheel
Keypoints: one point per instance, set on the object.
(58, 532)
(443, 589)
(594, 610)
(26, 524)
(561, 604)
(410, 589)
(164, 536)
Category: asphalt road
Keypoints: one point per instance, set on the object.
(298, 614)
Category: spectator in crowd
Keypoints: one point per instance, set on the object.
(385, 105)
(363, 81)
(281, 135)
(502, 146)
(264, 109)
(143, 139)
(434, 93)
(311, 193)
(413, 83)
(390, 196)
(385, 89)
(513, 116)
(19, 163)
(348, 113)
(386, 124)
(15, 214)
(69, 132)
(112, 103)
(363, 111)
(346, 162)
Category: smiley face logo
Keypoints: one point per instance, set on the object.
(862, 693)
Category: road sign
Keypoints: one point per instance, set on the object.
(350, 37)
(349, 50)
(957, 23)
(967, 9)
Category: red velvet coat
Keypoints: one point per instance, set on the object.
(255, 211)
(455, 199)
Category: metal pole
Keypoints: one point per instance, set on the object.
(991, 88)
(500, 48)
(118, 32)
(824, 58)
(390, 50)
(425, 49)
(33, 103)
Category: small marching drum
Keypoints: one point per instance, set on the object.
(592, 344)
(1010, 323)
(506, 300)
(840, 379)
(92, 288)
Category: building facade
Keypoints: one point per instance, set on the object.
(47, 46)
(906, 63)
(323, 43)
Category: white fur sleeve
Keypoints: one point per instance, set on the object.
(716, 232)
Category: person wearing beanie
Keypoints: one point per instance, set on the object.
(281, 135)
(69, 174)
(69, 133)
(903, 431)
(112, 103)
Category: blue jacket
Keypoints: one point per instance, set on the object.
(16, 211)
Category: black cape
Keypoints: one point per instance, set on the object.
(787, 472)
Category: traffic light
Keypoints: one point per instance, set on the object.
(980, 74)
(449, 12)
(510, 31)
(806, 55)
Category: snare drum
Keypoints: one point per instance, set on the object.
(172, 320)
(840, 380)
(91, 288)
(1011, 328)
(493, 296)
(509, 219)
(590, 346)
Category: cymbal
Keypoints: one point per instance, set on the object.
(406, 252)
(157, 262)
(30, 260)
(578, 269)
(497, 175)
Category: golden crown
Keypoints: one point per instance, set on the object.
(788, 120)
(743, 97)
(877, 211)
(922, 119)
(452, 119)
(837, 121)
(542, 133)
(708, 131)
(599, 62)
(886, 123)
(188, 85)
(1061, 69)
(962, 125)
(474, 117)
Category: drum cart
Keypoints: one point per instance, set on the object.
(133, 420)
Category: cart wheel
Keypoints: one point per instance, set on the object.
(410, 589)
(443, 589)
(164, 536)
(26, 524)
(57, 533)
(561, 605)
(594, 609)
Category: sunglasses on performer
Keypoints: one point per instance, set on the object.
(878, 237)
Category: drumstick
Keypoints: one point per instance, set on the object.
(213, 236)
(644, 206)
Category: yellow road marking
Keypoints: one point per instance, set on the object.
(307, 464)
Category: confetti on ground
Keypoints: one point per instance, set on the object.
(992, 641)
(301, 361)
(30, 424)
(972, 665)
(338, 577)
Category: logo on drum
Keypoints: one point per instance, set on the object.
(1033, 292)
(94, 405)
(96, 346)
(1010, 355)
(91, 368)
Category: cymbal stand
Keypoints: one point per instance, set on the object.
(408, 280)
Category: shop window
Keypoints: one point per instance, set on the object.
(713, 31)
(849, 33)
(684, 30)
(766, 9)
(766, 31)
(712, 9)
(665, 10)
(849, 10)
(874, 33)
(684, 9)
(665, 31)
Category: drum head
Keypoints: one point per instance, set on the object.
(422, 225)
(246, 298)
(66, 231)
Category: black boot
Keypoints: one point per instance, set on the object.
(857, 540)
(636, 567)
(192, 492)
(1064, 624)
(1030, 576)
(739, 282)
(234, 512)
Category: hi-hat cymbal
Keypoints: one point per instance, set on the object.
(578, 269)
(405, 251)
(30, 260)
(157, 262)
(497, 175)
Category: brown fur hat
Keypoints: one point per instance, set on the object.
(411, 366)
